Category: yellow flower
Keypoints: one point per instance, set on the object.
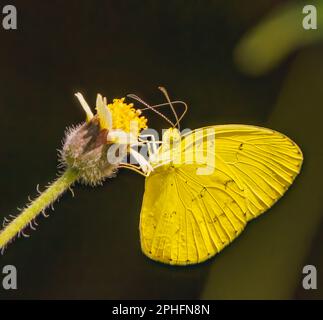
(117, 115)
(116, 123)
(126, 117)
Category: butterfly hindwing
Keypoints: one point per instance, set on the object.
(187, 218)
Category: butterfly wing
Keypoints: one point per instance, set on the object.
(187, 217)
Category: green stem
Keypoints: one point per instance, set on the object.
(44, 200)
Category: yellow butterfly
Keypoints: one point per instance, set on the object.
(188, 216)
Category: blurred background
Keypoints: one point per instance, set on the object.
(232, 62)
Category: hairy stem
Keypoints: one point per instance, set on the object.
(44, 200)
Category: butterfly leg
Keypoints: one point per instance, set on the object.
(152, 144)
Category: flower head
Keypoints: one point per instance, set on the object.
(117, 115)
(87, 147)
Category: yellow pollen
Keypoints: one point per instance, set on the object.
(126, 117)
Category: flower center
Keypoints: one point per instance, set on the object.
(126, 117)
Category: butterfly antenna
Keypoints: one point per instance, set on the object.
(133, 96)
(184, 112)
(155, 106)
(164, 91)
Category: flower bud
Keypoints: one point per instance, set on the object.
(85, 149)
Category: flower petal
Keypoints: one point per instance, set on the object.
(104, 113)
(144, 164)
(85, 106)
(121, 137)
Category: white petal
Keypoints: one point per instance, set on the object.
(104, 113)
(144, 164)
(121, 137)
(85, 106)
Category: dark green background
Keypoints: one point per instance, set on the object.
(89, 246)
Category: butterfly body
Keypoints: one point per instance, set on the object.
(208, 185)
